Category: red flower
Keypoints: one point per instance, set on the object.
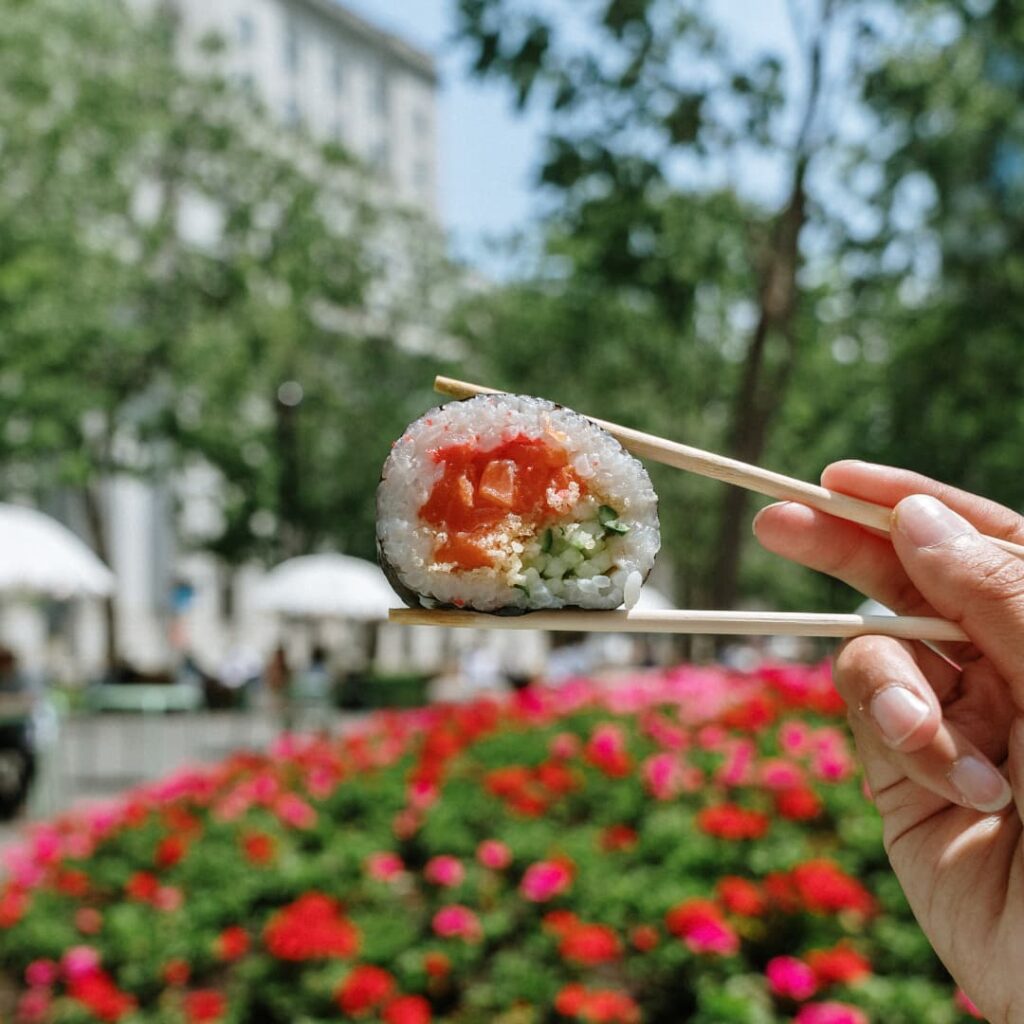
(232, 943)
(259, 848)
(311, 928)
(571, 1000)
(437, 965)
(599, 1006)
(561, 922)
(88, 920)
(798, 804)
(176, 971)
(741, 896)
(72, 882)
(730, 821)
(824, 887)
(100, 996)
(645, 937)
(618, 837)
(841, 965)
(143, 887)
(557, 778)
(751, 715)
(407, 1010)
(590, 944)
(507, 782)
(204, 1006)
(13, 904)
(365, 988)
(170, 850)
(700, 925)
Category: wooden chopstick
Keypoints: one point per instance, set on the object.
(905, 627)
(730, 471)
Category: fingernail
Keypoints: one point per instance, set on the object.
(753, 525)
(980, 784)
(925, 521)
(897, 713)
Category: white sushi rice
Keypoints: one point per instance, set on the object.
(613, 478)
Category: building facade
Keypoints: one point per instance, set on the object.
(317, 66)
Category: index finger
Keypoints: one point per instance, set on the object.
(889, 485)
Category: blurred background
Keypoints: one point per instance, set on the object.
(238, 239)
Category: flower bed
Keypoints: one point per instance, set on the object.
(692, 846)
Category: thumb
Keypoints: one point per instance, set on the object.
(966, 578)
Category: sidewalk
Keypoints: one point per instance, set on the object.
(97, 756)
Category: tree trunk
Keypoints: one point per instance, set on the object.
(96, 520)
(767, 369)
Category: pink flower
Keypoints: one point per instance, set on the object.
(791, 978)
(545, 880)
(422, 794)
(383, 867)
(662, 776)
(700, 925)
(794, 738)
(168, 897)
(564, 746)
(456, 921)
(830, 1013)
(712, 936)
(79, 962)
(494, 854)
(444, 870)
(739, 760)
(294, 811)
(42, 972)
(712, 737)
(964, 1002)
(777, 773)
(34, 1006)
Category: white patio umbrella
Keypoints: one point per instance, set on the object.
(652, 600)
(38, 555)
(327, 586)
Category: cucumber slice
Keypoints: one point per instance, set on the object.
(547, 540)
(609, 519)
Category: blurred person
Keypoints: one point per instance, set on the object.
(17, 735)
(313, 689)
(277, 676)
(940, 731)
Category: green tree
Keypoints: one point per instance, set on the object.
(173, 269)
(651, 115)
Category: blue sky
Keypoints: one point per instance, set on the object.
(488, 151)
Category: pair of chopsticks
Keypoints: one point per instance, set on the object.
(739, 474)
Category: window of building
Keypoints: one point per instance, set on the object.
(380, 156)
(421, 124)
(293, 113)
(246, 29)
(338, 74)
(421, 175)
(292, 47)
(380, 98)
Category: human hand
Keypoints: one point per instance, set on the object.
(931, 728)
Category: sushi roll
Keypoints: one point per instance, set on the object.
(510, 504)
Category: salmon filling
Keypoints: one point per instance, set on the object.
(489, 502)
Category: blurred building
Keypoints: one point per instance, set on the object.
(314, 64)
